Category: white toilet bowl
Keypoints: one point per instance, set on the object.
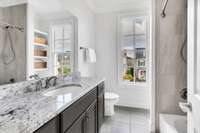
(110, 100)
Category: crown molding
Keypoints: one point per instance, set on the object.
(117, 5)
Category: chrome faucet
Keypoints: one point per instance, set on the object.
(38, 82)
(48, 81)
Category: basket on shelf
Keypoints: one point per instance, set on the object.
(38, 52)
(40, 65)
(41, 40)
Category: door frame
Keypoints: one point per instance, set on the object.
(152, 72)
(193, 65)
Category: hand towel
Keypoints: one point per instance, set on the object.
(90, 55)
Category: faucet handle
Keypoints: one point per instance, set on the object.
(34, 76)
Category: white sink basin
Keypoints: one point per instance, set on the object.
(64, 89)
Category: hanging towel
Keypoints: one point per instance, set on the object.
(90, 55)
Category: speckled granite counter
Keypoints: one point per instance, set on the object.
(22, 112)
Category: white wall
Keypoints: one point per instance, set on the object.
(106, 46)
(86, 28)
(86, 31)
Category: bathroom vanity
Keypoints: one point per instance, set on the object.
(83, 116)
(79, 111)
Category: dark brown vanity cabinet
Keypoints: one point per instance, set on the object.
(91, 118)
(87, 122)
(100, 98)
(72, 113)
(78, 126)
(83, 116)
(50, 127)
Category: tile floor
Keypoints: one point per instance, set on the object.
(127, 120)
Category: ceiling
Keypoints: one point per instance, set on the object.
(52, 6)
(98, 6)
(38, 5)
(117, 5)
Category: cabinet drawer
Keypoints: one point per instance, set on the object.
(69, 116)
(50, 127)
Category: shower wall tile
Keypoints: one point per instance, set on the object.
(168, 84)
(17, 70)
(175, 6)
(171, 69)
(1, 40)
(170, 104)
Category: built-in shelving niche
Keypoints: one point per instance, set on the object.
(41, 50)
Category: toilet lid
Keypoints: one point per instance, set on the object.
(110, 95)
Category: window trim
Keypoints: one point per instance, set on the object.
(74, 42)
(119, 53)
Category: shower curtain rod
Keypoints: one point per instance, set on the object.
(6, 25)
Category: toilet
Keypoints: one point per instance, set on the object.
(110, 100)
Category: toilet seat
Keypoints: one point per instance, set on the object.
(111, 96)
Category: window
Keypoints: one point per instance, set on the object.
(63, 54)
(132, 50)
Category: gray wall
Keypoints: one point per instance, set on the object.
(170, 69)
(17, 69)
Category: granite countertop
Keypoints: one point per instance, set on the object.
(26, 112)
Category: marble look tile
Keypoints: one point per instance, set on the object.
(139, 128)
(122, 116)
(171, 70)
(138, 121)
(170, 106)
(15, 15)
(172, 7)
(168, 84)
(115, 127)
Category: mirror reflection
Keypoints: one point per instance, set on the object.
(35, 42)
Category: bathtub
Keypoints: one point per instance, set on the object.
(173, 123)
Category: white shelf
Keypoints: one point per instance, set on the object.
(40, 69)
(41, 45)
(40, 57)
(41, 32)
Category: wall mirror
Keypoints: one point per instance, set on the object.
(36, 40)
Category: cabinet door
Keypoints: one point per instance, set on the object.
(100, 110)
(100, 102)
(72, 113)
(78, 126)
(50, 127)
(91, 118)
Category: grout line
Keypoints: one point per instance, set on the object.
(130, 122)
